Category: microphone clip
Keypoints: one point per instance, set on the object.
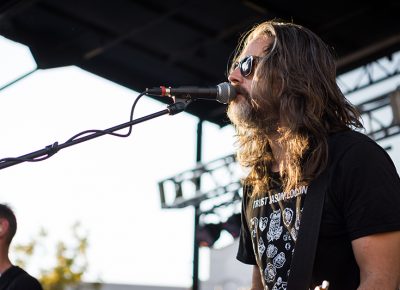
(178, 106)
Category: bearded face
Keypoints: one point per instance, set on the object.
(253, 109)
(240, 111)
(253, 112)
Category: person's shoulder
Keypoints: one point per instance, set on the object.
(343, 141)
(348, 137)
(355, 146)
(27, 281)
(358, 149)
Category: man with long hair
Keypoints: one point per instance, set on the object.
(12, 277)
(293, 123)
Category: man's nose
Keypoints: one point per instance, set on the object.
(235, 77)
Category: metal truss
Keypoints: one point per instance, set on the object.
(381, 115)
(220, 180)
(370, 74)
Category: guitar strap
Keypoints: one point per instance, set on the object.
(306, 244)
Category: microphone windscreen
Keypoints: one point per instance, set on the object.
(226, 92)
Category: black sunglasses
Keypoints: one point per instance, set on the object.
(246, 65)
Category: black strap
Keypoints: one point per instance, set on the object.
(306, 244)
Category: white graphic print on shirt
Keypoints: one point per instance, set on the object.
(287, 216)
(270, 273)
(261, 247)
(254, 224)
(274, 228)
(279, 260)
(263, 223)
(279, 285)
(271, 251)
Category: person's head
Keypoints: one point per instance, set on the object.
(285, 76)
(8, 223)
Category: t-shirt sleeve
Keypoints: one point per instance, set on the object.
(245, 252)
(368, 187)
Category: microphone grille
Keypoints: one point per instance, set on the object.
(226, 92)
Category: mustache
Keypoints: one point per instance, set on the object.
(242, 91)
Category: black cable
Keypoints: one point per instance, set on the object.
(50, 150)
(110, 133)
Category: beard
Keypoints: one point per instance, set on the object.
(252, 114)
(240, 111)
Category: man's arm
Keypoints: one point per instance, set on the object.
(256, 282)
(378, 257)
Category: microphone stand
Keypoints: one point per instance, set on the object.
(50, 150)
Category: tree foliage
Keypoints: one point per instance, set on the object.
(70, 261)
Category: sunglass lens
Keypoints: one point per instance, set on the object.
(246, 66)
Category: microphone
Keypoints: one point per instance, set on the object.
(223, 93)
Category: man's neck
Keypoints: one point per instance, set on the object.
(279, 154)
(5, 262)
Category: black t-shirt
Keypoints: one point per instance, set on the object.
(363, 198)
(15, 278)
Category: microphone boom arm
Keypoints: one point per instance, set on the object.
(178, 106)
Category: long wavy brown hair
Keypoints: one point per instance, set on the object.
(294, 87)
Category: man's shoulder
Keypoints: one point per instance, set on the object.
(342, 141)
(25, 281)
(347, 137)
(350, 146)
